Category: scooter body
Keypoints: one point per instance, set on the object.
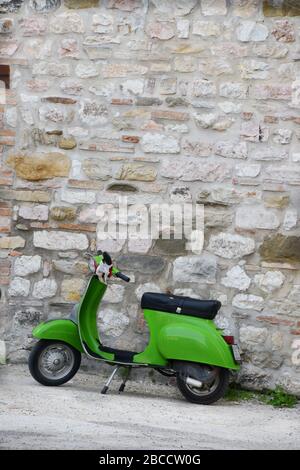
(175, 339)
(172, 336)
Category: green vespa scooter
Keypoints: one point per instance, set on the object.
(184, 341)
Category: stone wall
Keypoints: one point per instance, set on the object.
(162, 101)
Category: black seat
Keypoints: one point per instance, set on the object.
(207, 309)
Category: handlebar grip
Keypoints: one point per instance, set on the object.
(122, 276)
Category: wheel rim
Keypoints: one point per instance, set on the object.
(207, 388)
(56, 361)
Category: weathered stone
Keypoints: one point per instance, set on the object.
(96, 169)
(25, 265)
(122, 70)
(40, 166)
(139, 245)
(55, 113)
(124, 5)
(284, 31)
(236, 278)
(189, 170)
(184, 64)
(206, 120)
(143, 264)
(269, 153)
(11, 243)
(273, 92)
(71, 267)
(69, 48)
(72, 289)
(66, 23)
(282, 136)
(280, 248)
(8, 48)
(159, 143)
(33, 26)
(44, 289)
(269, 281)
(204, 88)
(174, 7)
(10, 6)
(172, 246)
(278, 201)
(19, 287)
(113, 323)
(251, 31)
(245, 8)
(290, 219)
(53, 69)
(253, 132)
(78, 197)
(215, 217)
(252, 337)
(230, 149)
(77, 4)
(146, 101)
(26, 196)
(213, 7)
(6, 25)
(231, 246)
(60, 240)
(160, 29)
(251, 217)
(233, 90)
(133, 86)
(248, 302)
(196, 148)
(93, 113)
(283, 173)
(247, 171)
(254, 69)
(67, 143)
(136, 172)
(86, 70)
(62, 213)
(71, 87)
(114, 294)
(36, 212)
(206, 28)
(183, 28)
(44, 6)
(199, 269)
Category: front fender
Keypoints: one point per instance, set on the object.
(63, 330)
(198, 341)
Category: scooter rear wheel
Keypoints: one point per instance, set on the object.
(210, 392)
(53, 362)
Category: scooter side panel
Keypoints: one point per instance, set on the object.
(186, 338)
(63, 330)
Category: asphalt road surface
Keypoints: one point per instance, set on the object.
(145, 416)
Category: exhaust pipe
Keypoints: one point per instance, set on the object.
(194, 383)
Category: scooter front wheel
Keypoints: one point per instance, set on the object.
(202, 384)
(53, 362)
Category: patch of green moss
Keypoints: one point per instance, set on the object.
(277, 397)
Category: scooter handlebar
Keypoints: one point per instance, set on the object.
(122, 276)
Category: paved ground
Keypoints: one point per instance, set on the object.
(77, 416)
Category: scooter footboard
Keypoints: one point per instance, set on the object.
(62, 330)
(195, 340)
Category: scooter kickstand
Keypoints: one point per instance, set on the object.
(126, 377)
(107, 384)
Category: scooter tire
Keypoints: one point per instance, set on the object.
(34, 368)
(211, 397)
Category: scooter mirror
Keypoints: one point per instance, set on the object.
(106, 258)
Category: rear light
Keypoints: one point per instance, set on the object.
(229, 339)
